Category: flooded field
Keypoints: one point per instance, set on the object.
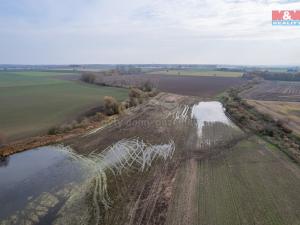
(56, 185)
(40, 177)
(53, 184)
(137, 173)
(214, 128)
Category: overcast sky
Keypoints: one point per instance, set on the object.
(146, 31)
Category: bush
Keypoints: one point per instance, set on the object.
(133, 102)
(135, 93)
(111, 106)
(88, 78)
(147, 86)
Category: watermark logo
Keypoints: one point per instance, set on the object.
(286, 17)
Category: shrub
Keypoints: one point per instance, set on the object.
(88, 77)
(126, 104)
(147, 86)
(133, 102)
(111, 106)
(135, 93)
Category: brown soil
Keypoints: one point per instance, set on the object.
(183, 85)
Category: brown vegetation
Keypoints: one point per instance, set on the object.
(137, 96)
(88, 77)
(111, 106)
(264, 125)
(75, 124)
(285, 113)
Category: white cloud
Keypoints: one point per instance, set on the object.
(165, 30)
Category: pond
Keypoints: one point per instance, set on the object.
(38, 172)
(53, 184)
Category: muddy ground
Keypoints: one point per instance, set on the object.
(144, 198)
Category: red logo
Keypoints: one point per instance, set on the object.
(285, 15)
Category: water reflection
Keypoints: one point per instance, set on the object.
(205, 112)
(28, 175)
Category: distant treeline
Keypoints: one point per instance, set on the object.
(272, 76)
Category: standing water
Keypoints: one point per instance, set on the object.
(52, 185)
(214, 128)
(206, 112)
(35, 176)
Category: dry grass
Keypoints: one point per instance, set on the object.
(287, 112)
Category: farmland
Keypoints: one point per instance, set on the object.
(184, 85)
(236, 181)
(171, 160)
(200, 73)
(240, 186)
(274, 91)
(32, 102)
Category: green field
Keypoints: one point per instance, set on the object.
(252, 183)
(209, 73)
(32, 102)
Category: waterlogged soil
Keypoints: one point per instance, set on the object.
(151, 166)
(50, 185)
(34, 182)
(145, 197)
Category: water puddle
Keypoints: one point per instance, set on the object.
(214, 128)
(50, 185)
(26, 176)
(209, 112)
